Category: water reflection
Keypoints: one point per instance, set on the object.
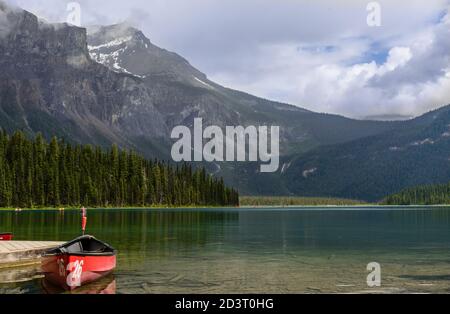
(15, 278)
(21, 274)
(217, 251)
(344, 229)
(138, 235)
(105, 285)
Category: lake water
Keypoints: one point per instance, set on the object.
(251, 251)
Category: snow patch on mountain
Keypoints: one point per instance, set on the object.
(309, 172)
(203, 83)
(104, 55)
(423, 142)
(285, 167)
(114, 43)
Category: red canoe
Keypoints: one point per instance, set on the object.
(8, 236)
(78, 262)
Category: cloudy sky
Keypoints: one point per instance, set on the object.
(321, 55)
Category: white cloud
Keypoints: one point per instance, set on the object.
(398, 57)
(411, 80)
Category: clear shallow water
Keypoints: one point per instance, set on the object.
(251, 251)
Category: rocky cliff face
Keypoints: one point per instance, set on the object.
(49, 84)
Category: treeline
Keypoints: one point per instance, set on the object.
(35, 173)
(295, 201)
(422, 195)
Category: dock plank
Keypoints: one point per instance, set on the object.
(16, 253)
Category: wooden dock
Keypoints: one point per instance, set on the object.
(23, 253)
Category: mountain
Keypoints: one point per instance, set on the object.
(415, 152)
(49, 84)
(126, 49)
(181, 93)
(388, 117)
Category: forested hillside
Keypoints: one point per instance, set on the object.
(414, 154)
(422, 195)
(34, 173)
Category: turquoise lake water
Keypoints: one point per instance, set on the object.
(318, 250)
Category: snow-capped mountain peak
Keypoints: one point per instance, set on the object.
(125, 49)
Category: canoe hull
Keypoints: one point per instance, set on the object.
(71, 272)
(6, 236)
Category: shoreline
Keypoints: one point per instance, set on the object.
(366, 206)
(62, 209)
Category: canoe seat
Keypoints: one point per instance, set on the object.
(85, 247)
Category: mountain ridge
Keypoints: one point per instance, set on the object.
(415, 153)
(48, 77)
